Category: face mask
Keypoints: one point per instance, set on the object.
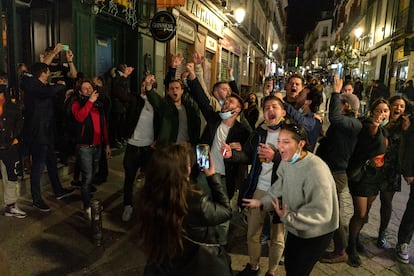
(221, 102)
(295, 158)
(144, 97)
(275, 126)
(384, 122)
(226, 115)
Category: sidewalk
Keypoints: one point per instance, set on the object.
(60, 243)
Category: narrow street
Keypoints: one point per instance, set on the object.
(60, 242)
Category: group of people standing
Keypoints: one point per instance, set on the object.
(295, 178)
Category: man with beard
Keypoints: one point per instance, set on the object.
(222, 127)
(179, 117)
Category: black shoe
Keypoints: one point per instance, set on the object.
(353, 258)
(76, 184)
(43, 207)
(249, 271)
(93, 189)
(65, 193)
(99, 180)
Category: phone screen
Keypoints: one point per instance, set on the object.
(202, 151)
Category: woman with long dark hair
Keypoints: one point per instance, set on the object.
(364, 184)
(175, 217)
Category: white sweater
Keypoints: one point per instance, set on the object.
(308, 189)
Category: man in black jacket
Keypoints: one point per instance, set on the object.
(39, 131)
(336, 150)
(222, 127)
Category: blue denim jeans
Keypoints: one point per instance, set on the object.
(43, 155)
(88, 158)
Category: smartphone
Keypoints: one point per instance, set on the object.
(203, 159)
(65, 47)
(340, 71)
(279, 199)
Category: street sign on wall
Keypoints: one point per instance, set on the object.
(163, 26)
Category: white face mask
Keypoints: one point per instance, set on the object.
(226, 115)
(384, 122)
(221, 102)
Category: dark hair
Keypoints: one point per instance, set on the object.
(217, 84)
(272, 98)
(234, 95)
(316, 96)
(162, 203)
(397, 97)
(376, 103)
(38, 68)
(348, 83)
(297, 76)
(82, 81)
(299, 133)
(175, 80)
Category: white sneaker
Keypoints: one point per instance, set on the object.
(14, 211)
(126, 215)
(402, 253)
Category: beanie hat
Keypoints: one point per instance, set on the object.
(352, 100)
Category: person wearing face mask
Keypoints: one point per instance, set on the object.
(304, 197)
(303, 112)
(261, 152)
(222, 127)
(142, 127)
(365, 173)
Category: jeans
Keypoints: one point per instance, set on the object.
(43, 154)
(406, 229)
(134, 158)
(88, 158)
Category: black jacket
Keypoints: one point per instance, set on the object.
(341, 137)
(11, 124)
(203, 213)
(237, 133)
(39, 117)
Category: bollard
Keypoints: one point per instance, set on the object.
(96, 222)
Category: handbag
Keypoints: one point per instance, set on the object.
(355, 173)
(209, 259)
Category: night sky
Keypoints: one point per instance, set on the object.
(302, 15)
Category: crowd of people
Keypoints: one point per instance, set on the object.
(287, 173)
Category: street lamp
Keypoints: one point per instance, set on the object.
(358, 33)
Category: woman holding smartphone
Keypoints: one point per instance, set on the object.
(179, 217)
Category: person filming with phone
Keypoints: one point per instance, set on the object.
(91, 135)
(180, 217)
(304, 197)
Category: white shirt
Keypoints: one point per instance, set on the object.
(221, 136)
